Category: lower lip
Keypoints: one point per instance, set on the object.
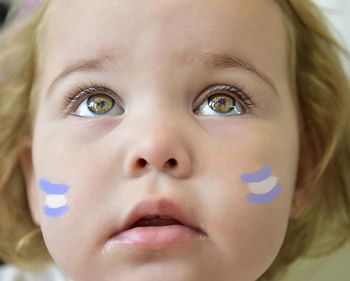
(158, 237)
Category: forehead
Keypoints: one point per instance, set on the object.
(79, 29)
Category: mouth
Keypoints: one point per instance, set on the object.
(158, 224)
(156, 221)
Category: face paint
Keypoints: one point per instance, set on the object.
(263, 186)
(55, 201)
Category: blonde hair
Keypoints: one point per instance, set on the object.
(19, 44)
(322, 89)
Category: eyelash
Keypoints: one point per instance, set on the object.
(235, 91)
(83, 91)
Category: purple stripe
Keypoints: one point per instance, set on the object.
(264, 198)
(259, 176)
(52, 188)
(56, 212)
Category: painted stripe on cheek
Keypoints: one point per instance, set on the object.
(264, 186)
(53, 188)
(264, 198)
(55, 201)
(55, 212)
(258, 176)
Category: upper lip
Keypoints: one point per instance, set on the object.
(161, 207)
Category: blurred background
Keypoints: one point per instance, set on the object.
(4, 5)
(3, 10)
(338, 12)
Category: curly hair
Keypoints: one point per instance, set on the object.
(322, 89)
(19, 47)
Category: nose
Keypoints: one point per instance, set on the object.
(159, 149)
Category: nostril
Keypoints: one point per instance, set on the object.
(172, 162)
(141, 163)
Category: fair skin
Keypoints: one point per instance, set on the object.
(158, 147)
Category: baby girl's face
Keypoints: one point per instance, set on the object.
(166, 140)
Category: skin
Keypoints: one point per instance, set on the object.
(156, 50)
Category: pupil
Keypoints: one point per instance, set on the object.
(100, 104)
(222, 101)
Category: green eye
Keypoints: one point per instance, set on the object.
(221, 103)
(100, 104)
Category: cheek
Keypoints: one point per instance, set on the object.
(250, 228)
(60, 160)
(69, 230)
(84, 172)
(244, 232)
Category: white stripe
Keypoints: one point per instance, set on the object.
(264, 186)
(55, 200)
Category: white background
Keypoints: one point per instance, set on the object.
(338, 11)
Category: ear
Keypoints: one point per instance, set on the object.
(304, 187)
(28, 172)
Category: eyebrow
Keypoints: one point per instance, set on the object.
(82, 65)
(225, 61)
(210, 60)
